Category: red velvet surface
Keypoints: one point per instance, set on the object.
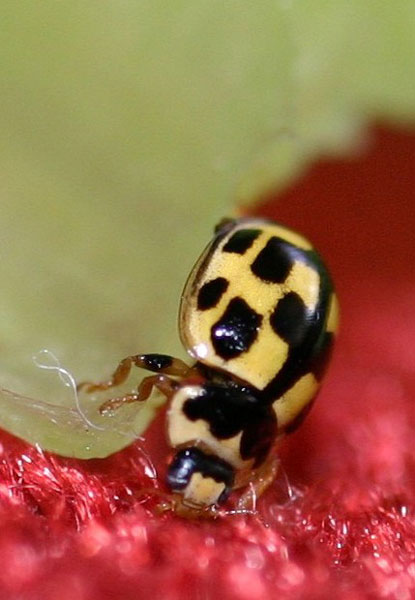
(339, 521)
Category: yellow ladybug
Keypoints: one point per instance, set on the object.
(258, 315)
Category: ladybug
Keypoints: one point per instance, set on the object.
(258, 315)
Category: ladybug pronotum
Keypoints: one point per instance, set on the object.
(258, 315)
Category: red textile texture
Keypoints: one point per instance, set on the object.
(339, 521)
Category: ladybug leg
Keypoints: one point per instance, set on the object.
(174, 502)
(162, 383)
(258, 482)
(158, 363)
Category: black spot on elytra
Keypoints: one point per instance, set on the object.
(322, 355)
(157, 362)
(312, 352)
(275, 261)
(236, 330)
(192, 460)
(241, 241)
(290, 319)
(211, 292)
(229, 410)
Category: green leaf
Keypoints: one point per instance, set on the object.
(128, 129)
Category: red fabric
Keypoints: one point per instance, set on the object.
(339, 522)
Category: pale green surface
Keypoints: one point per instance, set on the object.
(128, 129)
